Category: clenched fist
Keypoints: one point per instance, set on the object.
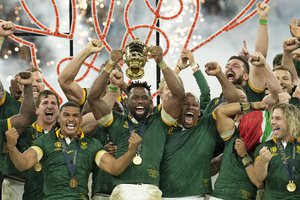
(12, 136)
(116, 55)
(258, 60)
(290, 44)
(265, 154)
(7, 28)
(24, 78)
(263, 10)
(94, 46)
(134, 142)
(156, 53)
(116, 77)
(212, 68)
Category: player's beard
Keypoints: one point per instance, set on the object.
(239, 81)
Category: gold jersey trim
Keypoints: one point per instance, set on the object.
(255, 89)
(2, 100)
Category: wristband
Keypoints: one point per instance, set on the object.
(109, 67)
(194, 66)
(113, 88)
(246, 159)
(178, 67)
(263, 21)
(245, 106)
(162, 65)
(248, 164)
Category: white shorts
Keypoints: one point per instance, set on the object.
(98, 196)
(136, 192)
(214, 198)
(186, 198)
(12, 189)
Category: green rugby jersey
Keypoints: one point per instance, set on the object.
(8, 106)
(34, 180)
(185, 168)
(233, 182)
(253, 94)
(278, 178)
(56, 174)
(153, 143)
(101, 181)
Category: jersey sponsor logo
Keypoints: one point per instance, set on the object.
(153, 173)
(83, 145)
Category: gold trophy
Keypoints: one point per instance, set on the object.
(135, 57)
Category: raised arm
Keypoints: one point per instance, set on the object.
(173, 105)
(6, 28)
(187, 60)
(66, 78)
(228, 89)
(262, 38)
(27, 111)
(22, 161)
(226, 112)
(99, 105)
(257, 71)
(257, 60)
(272, 83)
(289, 46)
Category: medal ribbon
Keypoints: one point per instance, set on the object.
(290, 168)
(141, 132)
(70, 165)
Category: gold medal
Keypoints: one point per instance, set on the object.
(137, 160)
(38, 167)
(73, 182)
(291, 186)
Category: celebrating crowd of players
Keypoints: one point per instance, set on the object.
(133, 149)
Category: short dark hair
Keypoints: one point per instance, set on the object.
(70, 104)
(192, 95)
(246, 64)
(46, 93)
(281, 67)
(139, 84)
(277, 60)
